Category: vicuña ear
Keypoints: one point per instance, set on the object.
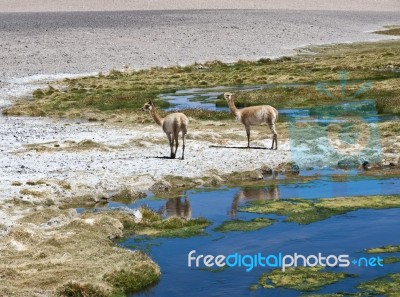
(151, 102)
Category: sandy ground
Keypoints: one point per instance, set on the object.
(100, 5)
(38, 47)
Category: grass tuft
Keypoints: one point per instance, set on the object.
(153, 225)
(384, 249)
(244, 226)
(388, 285)
(129, 281)
(80, 290)
(300, 278)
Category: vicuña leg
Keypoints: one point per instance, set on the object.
(275, 136)
(248, 135)
(183, 145)
(171, 144)
(176, 138)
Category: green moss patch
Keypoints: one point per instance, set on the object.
(384, 249)
(390, 30)
(300, 278)
(388, 286)
(127, 196)
(128, 281)
(304, 211)
(391, 260)
(339, 294)
(153, 225)
(81, 290)
(239, 225)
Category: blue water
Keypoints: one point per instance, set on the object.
(205, 98)
(350, 233)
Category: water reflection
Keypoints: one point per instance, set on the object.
(247, 195)
(178, 207)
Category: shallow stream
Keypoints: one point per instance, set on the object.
(350, 233)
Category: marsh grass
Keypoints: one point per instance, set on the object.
(244, 226)
(128, 281)
(80, 290)
(152, 225)
(386, 100)
(388, 285)
(391, 260)
(388, 105)
(124, 92)
(300, 278)
(29, 192)
(384, 249)
(390, 30)
(127, 196)
(304, 211)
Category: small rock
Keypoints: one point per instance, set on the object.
(349, 163)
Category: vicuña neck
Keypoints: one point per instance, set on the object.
(156, 117)
(233, 108)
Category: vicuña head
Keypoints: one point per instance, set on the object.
(148, 106)
(254, 115)
(172, 124)
(228, 96)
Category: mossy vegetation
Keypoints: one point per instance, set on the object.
(388, 286)
(391, 260)
(119, 95)
(80, 290)
(127, 281)
(299, 278)
(66, 146)
(338, 294)
(390, 30)
(127, 196)
(309, 95)
(75, 258)
(384, 249)
(244, 226)
(304, 211)
(36, 194)
(152, 225)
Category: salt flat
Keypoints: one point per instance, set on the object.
(76, 42)
(119, 5)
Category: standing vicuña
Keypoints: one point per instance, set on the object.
(255, 115)
(172, 124)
